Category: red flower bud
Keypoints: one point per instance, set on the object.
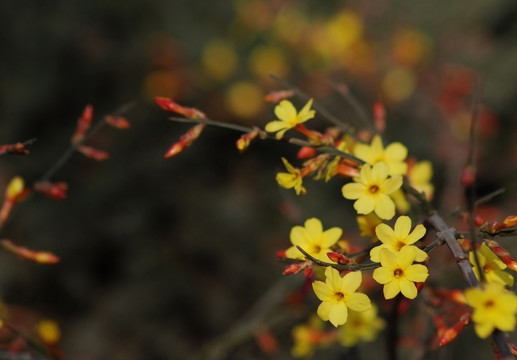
(118, 122)
(277, 96)
(56, 191)
(42, 257)
(83, 125)
(186, 140)
(93, 153)
(169, 105)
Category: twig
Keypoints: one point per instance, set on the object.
(356, 267)
(352, 101)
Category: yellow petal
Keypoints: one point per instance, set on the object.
(417, 272)
(402, 227)
(324, 310)
(391, 185)
(384, 207)
(484, 329)
(274, 126)
(322, 291)
(294, 253)
(383, 275)
(351, 282)
(408, 288)
(379, 172)
(396, 152)
(358, 302)
(365, 205)
(286, 180)
(417, 233)
(285, 111)
(353, 191)
(330, 237)
(406, 256)
(391, 290)
(388, 259)
(385, 234)
(314, 228)
(333, 279)
(338, 314)
(298, 236)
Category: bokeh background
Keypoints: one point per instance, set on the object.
(165, 258)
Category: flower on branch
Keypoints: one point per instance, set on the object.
(494, 308)
(291, 179)
(492, 266)
(371, 189)
(338, 294)
(288, 118)
(398, 273)
(393, 155)
(399, 237)
(361, 326)
(312, 239)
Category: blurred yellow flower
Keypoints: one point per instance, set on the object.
(494, 308)
(338, 294)
(372, 189)
(313, 240)
(361, 326)
(288, 117)
(420, 178)
(244, 99)
(219, 59)
(492, 266)
(291, 179)
(399, 274)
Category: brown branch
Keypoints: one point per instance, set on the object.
(356, 267)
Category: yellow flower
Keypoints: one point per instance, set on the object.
(313, 240)
(399, 237)
(361, 326)
(288, 117)
(338, 294)
(494, 308)
(367, 225)
(492, 266)
(371, 189)
(291, 179)
(398, 273)
(394, 155)
(310, 337)
(420, 178)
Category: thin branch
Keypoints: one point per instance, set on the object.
(357, 267)
(352, 101)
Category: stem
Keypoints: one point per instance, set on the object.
(357, 267)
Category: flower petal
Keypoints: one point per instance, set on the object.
(294, 253)
(406, 256)
(333, 279)
(417, 233)
(285, 111)
(391, 290)
(388, 259)
(392, 184)
(408, 288)
(322, 291)
(379, 172)
(314, 229)
(324, 310)
(417, 272)
(385, 233)
(351, 282)
(338, 314)
(365, 205)
(384, 207)
(358, 302)
(396, 152)
(274, 126)
(330, 237)
(353, 191)
(402, 227)
(383, 275)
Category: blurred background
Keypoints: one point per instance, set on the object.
(163, 258)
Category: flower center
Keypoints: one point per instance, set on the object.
(398, 273)
(373, 189)
(339, 296)
(489, 303)
(399, 245)
(316, 249)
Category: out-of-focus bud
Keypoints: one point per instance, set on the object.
(277, 96)
(15, 188)
(468, 176)
(186, 140)
(281, 254)
(266, 341)
(93, 153)
(41, 257)
(83, 125)
(296, 267)
(245, 140)
(503, 254)
(346, 170)
(56, 191)
(306, 152)
(169, 105)
(16, 149)
(379, 116)
(452, 333)
(48, 331)
(118, 122)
